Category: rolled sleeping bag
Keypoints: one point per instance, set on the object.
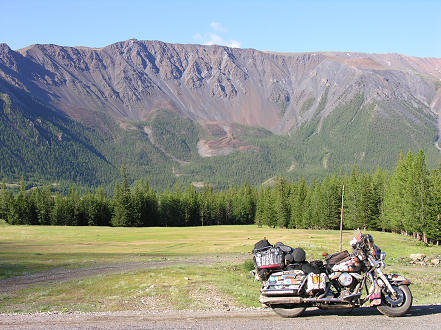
(299, 255)
(284, 248)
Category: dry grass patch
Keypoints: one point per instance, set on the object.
(168, 288)
(27, 249)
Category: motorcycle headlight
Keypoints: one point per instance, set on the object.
(353, 242)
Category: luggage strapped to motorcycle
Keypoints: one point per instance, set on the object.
(268, 258)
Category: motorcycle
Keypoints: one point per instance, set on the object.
(290, 284)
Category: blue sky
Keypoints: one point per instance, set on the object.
(406, 27)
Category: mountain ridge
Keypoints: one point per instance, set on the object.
(293, 95)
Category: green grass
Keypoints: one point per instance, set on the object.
(27, 249)
(36, 248)
(426, 282)
(202, 287)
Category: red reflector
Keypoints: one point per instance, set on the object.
(270, 266)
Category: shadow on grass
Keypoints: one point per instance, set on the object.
(19, 264)
(10, 270)
(419, 310)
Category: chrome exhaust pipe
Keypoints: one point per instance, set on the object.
(323, 300)
(299, 300)
(280, 300)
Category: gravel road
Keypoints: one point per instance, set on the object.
(428, 317)
(60, 274)
(235, 318)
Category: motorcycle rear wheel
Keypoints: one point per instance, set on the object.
(397, 310)
(288, 310)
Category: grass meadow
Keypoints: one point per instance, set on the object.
(29, 249)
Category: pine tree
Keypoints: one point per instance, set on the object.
(170, 208)
(44, 203)
(260, 207)
(281, 202)
(308, 210)
(63, 212)
(99, 212)
(433, 228)
(242, 204)
(418, 193)
(22, 209)
(395, 198)
(352, 201)
(206, 206)
(149, 210)
(330, 203)
(78, 206)
(123, 215)
(380, 181)
(268, 214)
(220, 211)
(367, 203)
(298, 205)
(6, 198)
(190, 205)
(316, 206)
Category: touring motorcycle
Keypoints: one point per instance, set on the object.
(290, 284)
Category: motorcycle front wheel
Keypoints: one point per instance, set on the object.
(288, 310)
(398, 306)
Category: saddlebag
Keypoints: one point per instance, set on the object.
(316, 282)
(284, 283)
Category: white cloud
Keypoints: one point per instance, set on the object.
(216, 37)
(217, 27)
(234, 44)
(197, 37)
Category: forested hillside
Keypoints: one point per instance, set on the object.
(408, 200)
(193, 113)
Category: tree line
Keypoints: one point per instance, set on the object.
(137, 206)
(407, 200)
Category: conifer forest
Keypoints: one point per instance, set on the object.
(406, 200)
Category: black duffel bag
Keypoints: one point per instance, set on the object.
(317, 266)
(262, 245)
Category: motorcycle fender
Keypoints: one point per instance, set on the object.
(396, 279)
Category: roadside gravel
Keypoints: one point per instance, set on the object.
(222, 316)
(249, 318)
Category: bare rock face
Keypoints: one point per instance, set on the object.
(130, 79)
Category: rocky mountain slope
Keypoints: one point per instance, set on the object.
(326, 110)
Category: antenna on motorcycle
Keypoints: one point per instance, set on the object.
(341, 217)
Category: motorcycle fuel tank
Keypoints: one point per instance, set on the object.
(350, 265)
